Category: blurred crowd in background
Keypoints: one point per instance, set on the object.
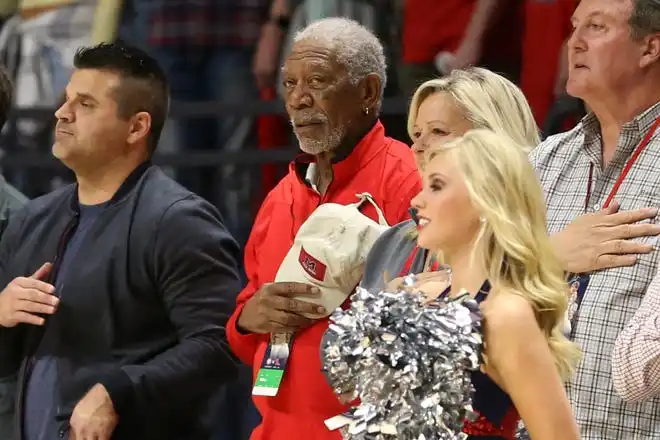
(229, 52)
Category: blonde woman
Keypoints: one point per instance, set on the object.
(442, 109)
(482, 210)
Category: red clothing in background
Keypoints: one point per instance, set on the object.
(433, 26)
(272, 133)
(379, 165)
(547, 26)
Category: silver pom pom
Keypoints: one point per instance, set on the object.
(409, 363)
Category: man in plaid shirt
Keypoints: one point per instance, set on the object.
(602, 183)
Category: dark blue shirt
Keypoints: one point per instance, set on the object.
(41, 397)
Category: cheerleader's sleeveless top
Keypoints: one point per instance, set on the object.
(498, 418)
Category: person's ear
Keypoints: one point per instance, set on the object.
(140, 127)
(650, 50)
(371, 92)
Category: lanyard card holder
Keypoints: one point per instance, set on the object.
(577, 284)
(273, 365)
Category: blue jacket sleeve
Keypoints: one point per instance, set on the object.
(11, 355)
(195, 267)
(10, 338)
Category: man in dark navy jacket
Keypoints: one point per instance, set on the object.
(118, 287)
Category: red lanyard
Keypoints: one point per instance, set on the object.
(626, 168)
(405, 270)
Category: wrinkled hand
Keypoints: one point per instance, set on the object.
(94, 417)
(467, 54)
(26, 297)
(266, 57)
(273, 309)
(602, 239)
(431, 284)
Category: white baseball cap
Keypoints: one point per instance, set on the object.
(330, 250)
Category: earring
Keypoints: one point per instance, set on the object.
(366, 110)
(482, 219)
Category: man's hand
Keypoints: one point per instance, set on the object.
(94, 417)
(467, 54)
(25, 298)
(273, 309)
(601, 240)
(266, 57)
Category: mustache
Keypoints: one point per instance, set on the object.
(62, 127)
(308, 119)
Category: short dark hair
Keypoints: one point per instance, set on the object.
(142, 86)
(6, 96)
(645, 18)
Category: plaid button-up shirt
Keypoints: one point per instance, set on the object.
(636, 357)
(613, 295)
(194, 23)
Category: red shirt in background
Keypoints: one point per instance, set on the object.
(547, 26)
(433, 26)
(379, 165)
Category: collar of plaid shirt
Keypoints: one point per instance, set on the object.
(626, 169)
(562, 163)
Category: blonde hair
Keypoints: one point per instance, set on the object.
(513, 243)
(488, 100)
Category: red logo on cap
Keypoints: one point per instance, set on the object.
(312, 266)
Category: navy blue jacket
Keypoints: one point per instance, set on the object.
(144, 307)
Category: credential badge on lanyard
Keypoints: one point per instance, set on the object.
(273, 365)
(577, 284)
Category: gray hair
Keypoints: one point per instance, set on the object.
(645, 18)
(355, 46)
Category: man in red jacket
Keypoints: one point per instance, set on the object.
(333, 80)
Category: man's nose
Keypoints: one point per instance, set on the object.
(64, 112)
(299, 98)
(576, 41)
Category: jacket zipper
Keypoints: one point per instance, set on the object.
(29, 363)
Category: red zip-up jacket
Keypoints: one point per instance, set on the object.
(379, 165)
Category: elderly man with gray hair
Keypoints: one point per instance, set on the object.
(333, 81)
